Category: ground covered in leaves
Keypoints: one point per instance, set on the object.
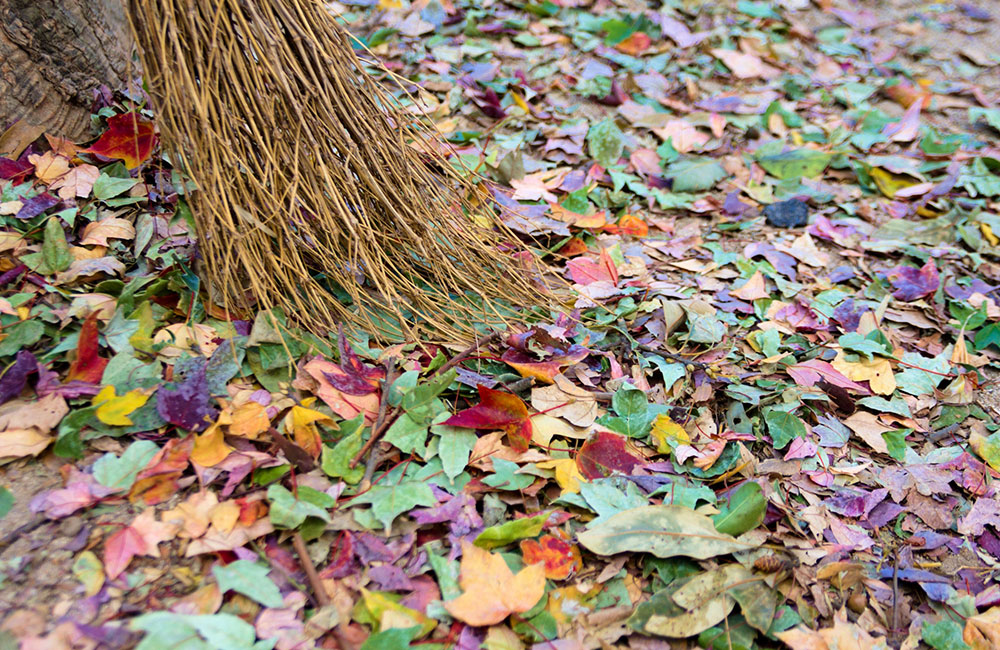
(768, 419)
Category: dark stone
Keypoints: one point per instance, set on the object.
(787, 214)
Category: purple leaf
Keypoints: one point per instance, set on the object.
(188, 406)
(16, 378)
(911, 283)
(36, 205)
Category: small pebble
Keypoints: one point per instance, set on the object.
(787, 214)
(70, 526)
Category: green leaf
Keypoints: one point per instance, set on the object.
(987, 336)
(862, 345)
(107, 187)
(336, 461)
(55, 250)
(224, 630)
(758, 602)
(510, 531)
(119, 473)
(945, 634)
(396, 638)
(783, 426)
(694, 174)
(745, 510)
(991, 116)
(505, 476)
(454, 448)
(250, 579)
(604, 498)
(6, 501)
(915, 380)
(793, 163)
(288, 512)
(390, 501)
(605, 142)
(407, 435)
(20, 335)
(664, 531)
(423, 395)
(895, 441)
(634, 415)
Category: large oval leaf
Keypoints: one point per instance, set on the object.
(664, 531)
(692, 608)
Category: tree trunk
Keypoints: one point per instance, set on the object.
(53, 53)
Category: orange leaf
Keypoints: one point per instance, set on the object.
(87, 366)
(636, 43)
(560, 557)
(129, 138)
(629, 224)
(158, 482)
(491, 591)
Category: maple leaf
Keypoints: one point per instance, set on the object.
(606, 453)
(120, 549)
(559, 557)
(497, 410)
(129, 138)
(88, 366)
(912, 283)
(491, 591)
(114, 409)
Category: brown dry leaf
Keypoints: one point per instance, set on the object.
(842, 636)
(49, 166)
(193, 515)
(566, 400)
(982, 631)
(40, 414)
(491, 591)
(98, 232)
(210, 448)
(745, 66)
(868, 427)
(153, 532)
(544, 427)
(753, 289)
(181, 338)
(77, 182)
(877, 372)
(18, 443)
(16, 139)
(216, 540)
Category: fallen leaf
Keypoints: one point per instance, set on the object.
(491, 591)
(114, 410)
(128, 138)
(559, 557)
(497, 410)
(97, 233)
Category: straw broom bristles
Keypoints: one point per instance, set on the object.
(309, 180)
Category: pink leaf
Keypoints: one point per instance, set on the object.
(120, 549)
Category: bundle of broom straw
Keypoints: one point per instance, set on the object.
(312, 194)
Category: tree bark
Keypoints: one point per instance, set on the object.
(53, 53)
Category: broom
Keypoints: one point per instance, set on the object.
(316, 193)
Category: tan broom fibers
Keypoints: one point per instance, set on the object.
(311, 177)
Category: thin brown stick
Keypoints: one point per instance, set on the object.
(461, 356)
(383, 406)
(322, 599)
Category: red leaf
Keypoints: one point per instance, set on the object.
(120, 549)
(357, 378)
(129, 138)
(635, 44)
(497, 410)
(606, 453)
(583, 270)
(87, 366)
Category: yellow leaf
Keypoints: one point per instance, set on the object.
(210, 448)
(142, 339)
(113, 410)
(250, 420)
(988, 234)
(889, 183)
(491, 591)
(303, 425)
(877, 372)
(568, 474)
(668, 434)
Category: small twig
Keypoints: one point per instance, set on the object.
(322, 599)
(458, 358)
(13, 535)
(381, 421)
(673, 356)
(895, 591)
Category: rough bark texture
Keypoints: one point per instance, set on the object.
(53, 53)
